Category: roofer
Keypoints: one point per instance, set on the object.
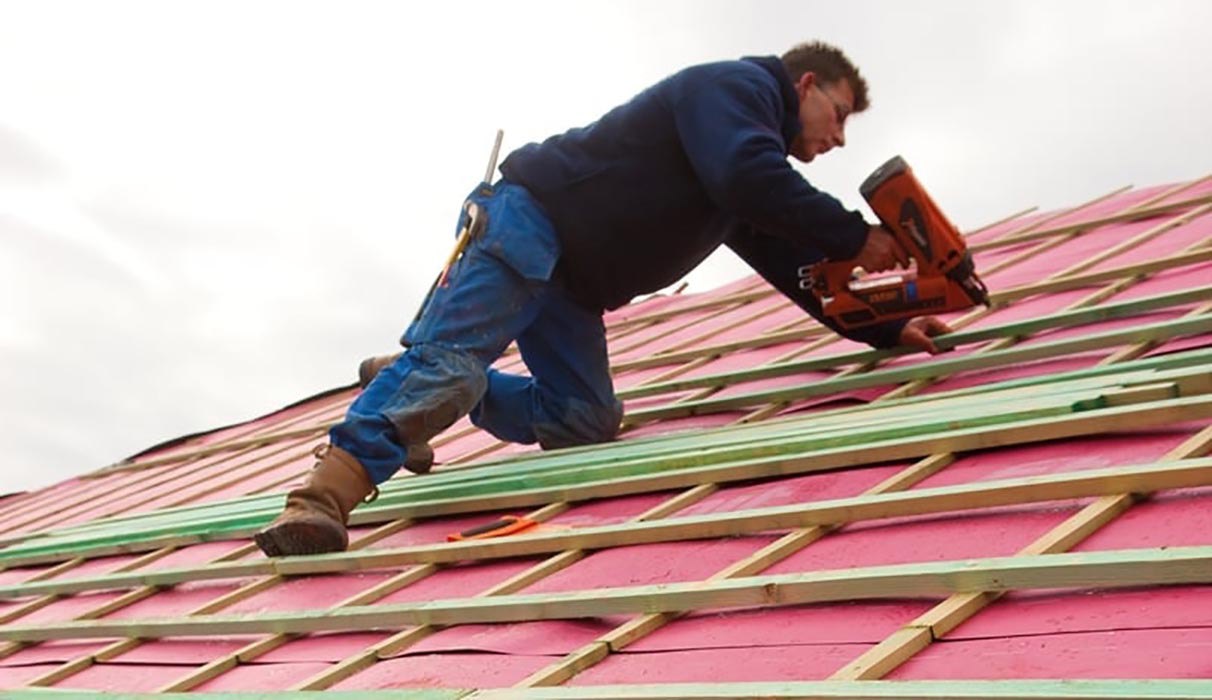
(581, 223)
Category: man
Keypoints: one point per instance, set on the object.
(582, 223)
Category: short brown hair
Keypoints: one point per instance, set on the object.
(830, 65)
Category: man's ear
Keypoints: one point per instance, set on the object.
(805, 83)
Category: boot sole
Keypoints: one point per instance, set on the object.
(299, 538)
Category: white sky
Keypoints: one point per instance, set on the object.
(209, 210)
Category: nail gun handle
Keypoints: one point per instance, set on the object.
(911, 215)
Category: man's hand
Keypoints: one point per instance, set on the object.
(918, 333)
(881, 252)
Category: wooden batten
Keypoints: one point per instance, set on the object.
(1105, 569)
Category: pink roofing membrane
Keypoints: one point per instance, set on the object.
(542, 637)
(446, 671)
(261, 677)
(1145, 632)
(784, 663)
(1154, 653)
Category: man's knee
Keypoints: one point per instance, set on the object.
(580, 423)
(442, 386)
(506, 410)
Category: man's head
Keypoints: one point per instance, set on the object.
(830, 90)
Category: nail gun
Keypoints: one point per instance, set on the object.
(945, 277)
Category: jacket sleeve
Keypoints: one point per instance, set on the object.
(779, 262)
(729, 125)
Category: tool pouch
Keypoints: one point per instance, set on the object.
(513, 228)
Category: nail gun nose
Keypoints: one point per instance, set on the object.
(977, 290)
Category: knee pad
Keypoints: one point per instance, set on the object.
(580, 423)
(442, 386)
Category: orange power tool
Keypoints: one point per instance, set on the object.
(944, 280)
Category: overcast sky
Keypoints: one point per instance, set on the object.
(209, 210)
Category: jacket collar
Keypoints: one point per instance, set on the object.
(791, 100)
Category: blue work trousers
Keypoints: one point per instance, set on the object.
(501, 289)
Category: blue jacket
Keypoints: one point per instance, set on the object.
(641, 196)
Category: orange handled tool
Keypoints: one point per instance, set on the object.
(505, 525)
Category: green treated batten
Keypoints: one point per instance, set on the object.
(619, 462)
(1064, 319)
(1105, 309)
(433, 486)
(413, 489)
(250, 512)
(419, 505)
(930, 370)
(791, 444)
(515, 464)
(179, 520)
(578, 458)
(132, 538)
(923, 501)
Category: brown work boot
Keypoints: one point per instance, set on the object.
(371, 367)
(316, 512)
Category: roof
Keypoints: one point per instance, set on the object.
(787, 513)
